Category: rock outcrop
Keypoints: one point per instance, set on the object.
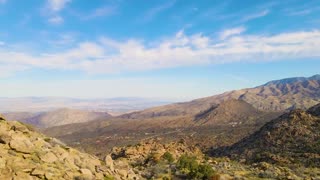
(146, 156)
(26, 154)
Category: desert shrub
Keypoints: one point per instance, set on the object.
(206, 171)
(108, 177)
(168, 157)
(166, 178)
(47, 139)
(189, 166)
(153, 158)
(160, 170)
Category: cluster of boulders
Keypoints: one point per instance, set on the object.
(147, 155)
(154, 148)
(26, 154)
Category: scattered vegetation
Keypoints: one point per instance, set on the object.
(168, 157)
(189, 166)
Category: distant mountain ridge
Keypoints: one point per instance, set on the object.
(278, 95)
(292, 80)
(56, 118)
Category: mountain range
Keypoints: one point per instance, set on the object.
(278, 95)
(270, 131)
(235, 113)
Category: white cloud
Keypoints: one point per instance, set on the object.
(230, 32)
(2, 43)
(8, 70)
(57, 5)
(56, 20)
(302, 11)
(66, 39)
(101, 12)
(255, 15)
(52, 10)
(111, 56)
(153, 12)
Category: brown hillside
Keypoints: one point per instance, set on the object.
(292, 138)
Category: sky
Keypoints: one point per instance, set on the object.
(174, 49)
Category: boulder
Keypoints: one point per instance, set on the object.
(48, 157)
(22, 175)
(2, 163)
(86, 173)
(21, 144)
(38, 173)
(109, 162)
(5, 139)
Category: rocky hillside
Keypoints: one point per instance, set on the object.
(154, 159)
(25, 154)
(293, 138)
(57, 117)
(221, 125)
(144, 156)
(279, 95)
(232, 112)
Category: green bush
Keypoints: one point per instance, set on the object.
(168, 156)
(192, 169)
(108, 177)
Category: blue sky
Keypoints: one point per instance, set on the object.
(180, 49)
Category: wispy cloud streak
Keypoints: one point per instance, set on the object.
(111, 56)
(153, 12)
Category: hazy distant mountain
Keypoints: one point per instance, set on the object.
(112, 105)
(292, 138)
(56, 117)
(279, 95)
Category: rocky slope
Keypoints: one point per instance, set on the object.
(293, 138)
(231, 112)
(25, 154)
(144, 156)
(154, 159)
(279, 95)
(57, 117)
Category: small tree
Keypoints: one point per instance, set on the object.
(168, 157)
(188, 165)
